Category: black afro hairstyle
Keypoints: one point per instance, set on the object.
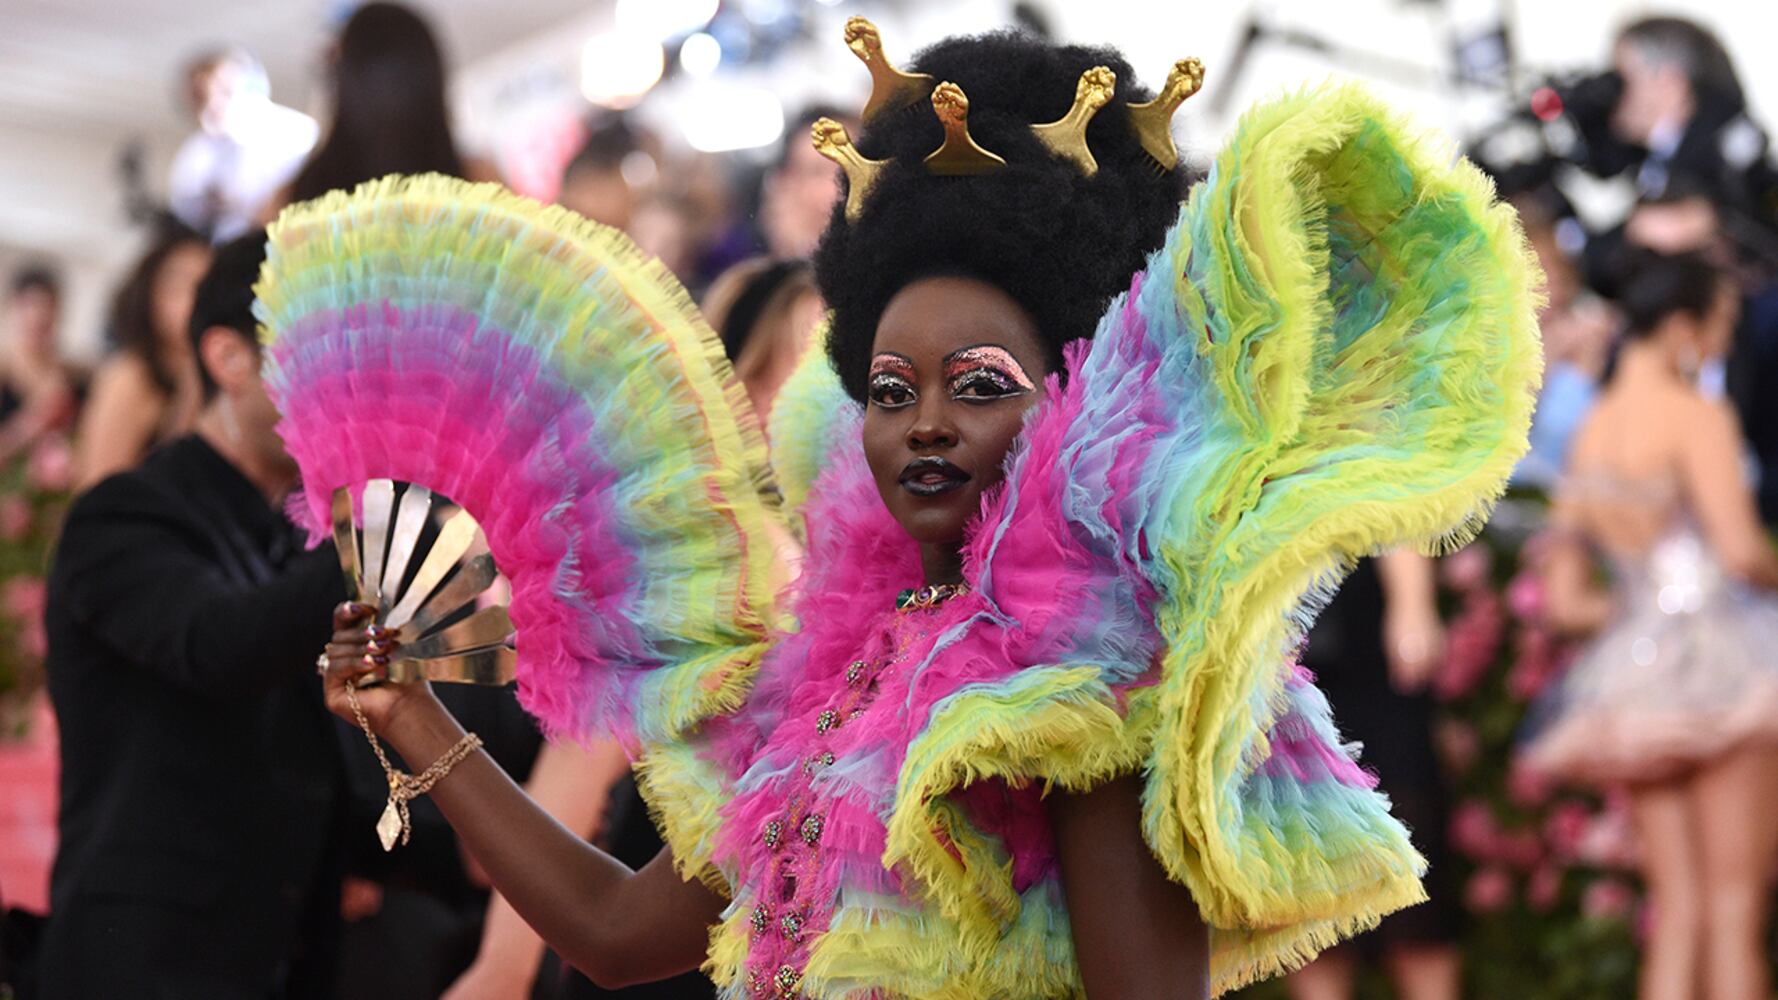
(1059, 243)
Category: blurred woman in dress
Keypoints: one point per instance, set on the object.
(147, 391)
(36, 392)
(389, 114)
(1676, 695)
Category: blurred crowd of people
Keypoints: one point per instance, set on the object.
(1661, 342)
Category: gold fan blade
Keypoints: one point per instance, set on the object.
(379, 503)
(487, 627)
(410, 520)
(345, 543)
(495, 665)
(476, 576)
(454, 539)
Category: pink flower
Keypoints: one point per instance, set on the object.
(23, 598)
(15, 517)
(1608, 841)
(1565, 828)
(1526, 787)
(1468, 568)
(1473, 829)
(1525, 595)
(33, 639)
(1489, 891)
(1471, 642)
(1523, 849)
(1544, 889)
(1535, 664)
(1607, 899)
(51, 466)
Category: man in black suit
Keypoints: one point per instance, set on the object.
(201, 776)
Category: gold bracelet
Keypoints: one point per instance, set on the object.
(403, 788)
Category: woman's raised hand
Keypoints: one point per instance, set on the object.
(358, 653)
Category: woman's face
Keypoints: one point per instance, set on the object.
(1654, 94)
(956, 365)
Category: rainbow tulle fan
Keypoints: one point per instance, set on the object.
(559, 385)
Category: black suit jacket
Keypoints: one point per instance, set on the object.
(200, 771)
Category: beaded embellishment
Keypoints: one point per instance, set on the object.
(929, 596)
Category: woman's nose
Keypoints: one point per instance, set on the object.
(932, 426)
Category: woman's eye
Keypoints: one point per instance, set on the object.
(983, 384)
(891, 393)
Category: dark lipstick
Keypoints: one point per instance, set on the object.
(932, 476)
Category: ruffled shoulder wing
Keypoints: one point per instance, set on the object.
(812, 425)
(1335, 352)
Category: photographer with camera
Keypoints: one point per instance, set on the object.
(1670, 115)
(1670, 111)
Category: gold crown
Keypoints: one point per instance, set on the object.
(959, 155)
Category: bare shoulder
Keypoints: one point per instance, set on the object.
(1588, 443)
(1698, 418)
(124, 375)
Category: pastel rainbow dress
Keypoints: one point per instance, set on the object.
(1334, 352)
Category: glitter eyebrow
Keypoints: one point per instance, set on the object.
(990, 356)
(890, 363)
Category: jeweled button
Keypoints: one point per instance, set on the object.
(855, 671)
(773, 832)
(811, 829)
(824, 759)
(827, 720)
(786, 980)
(791, 925)
(761, 918)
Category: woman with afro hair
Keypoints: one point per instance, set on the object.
(1077, 466)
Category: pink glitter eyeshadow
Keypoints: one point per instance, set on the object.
(892, 364)
(988, 356)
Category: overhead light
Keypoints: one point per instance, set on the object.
(618, 67)
(731, 117)
(700, 54)
(664, 19)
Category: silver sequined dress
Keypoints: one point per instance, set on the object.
(1687, 670)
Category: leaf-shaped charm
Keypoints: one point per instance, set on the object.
(389, 826)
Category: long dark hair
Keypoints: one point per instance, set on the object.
(132, 311)
(389, 112)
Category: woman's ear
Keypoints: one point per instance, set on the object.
(227, 357)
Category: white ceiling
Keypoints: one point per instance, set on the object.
(80, 78)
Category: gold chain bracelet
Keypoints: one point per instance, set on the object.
(403, 788)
